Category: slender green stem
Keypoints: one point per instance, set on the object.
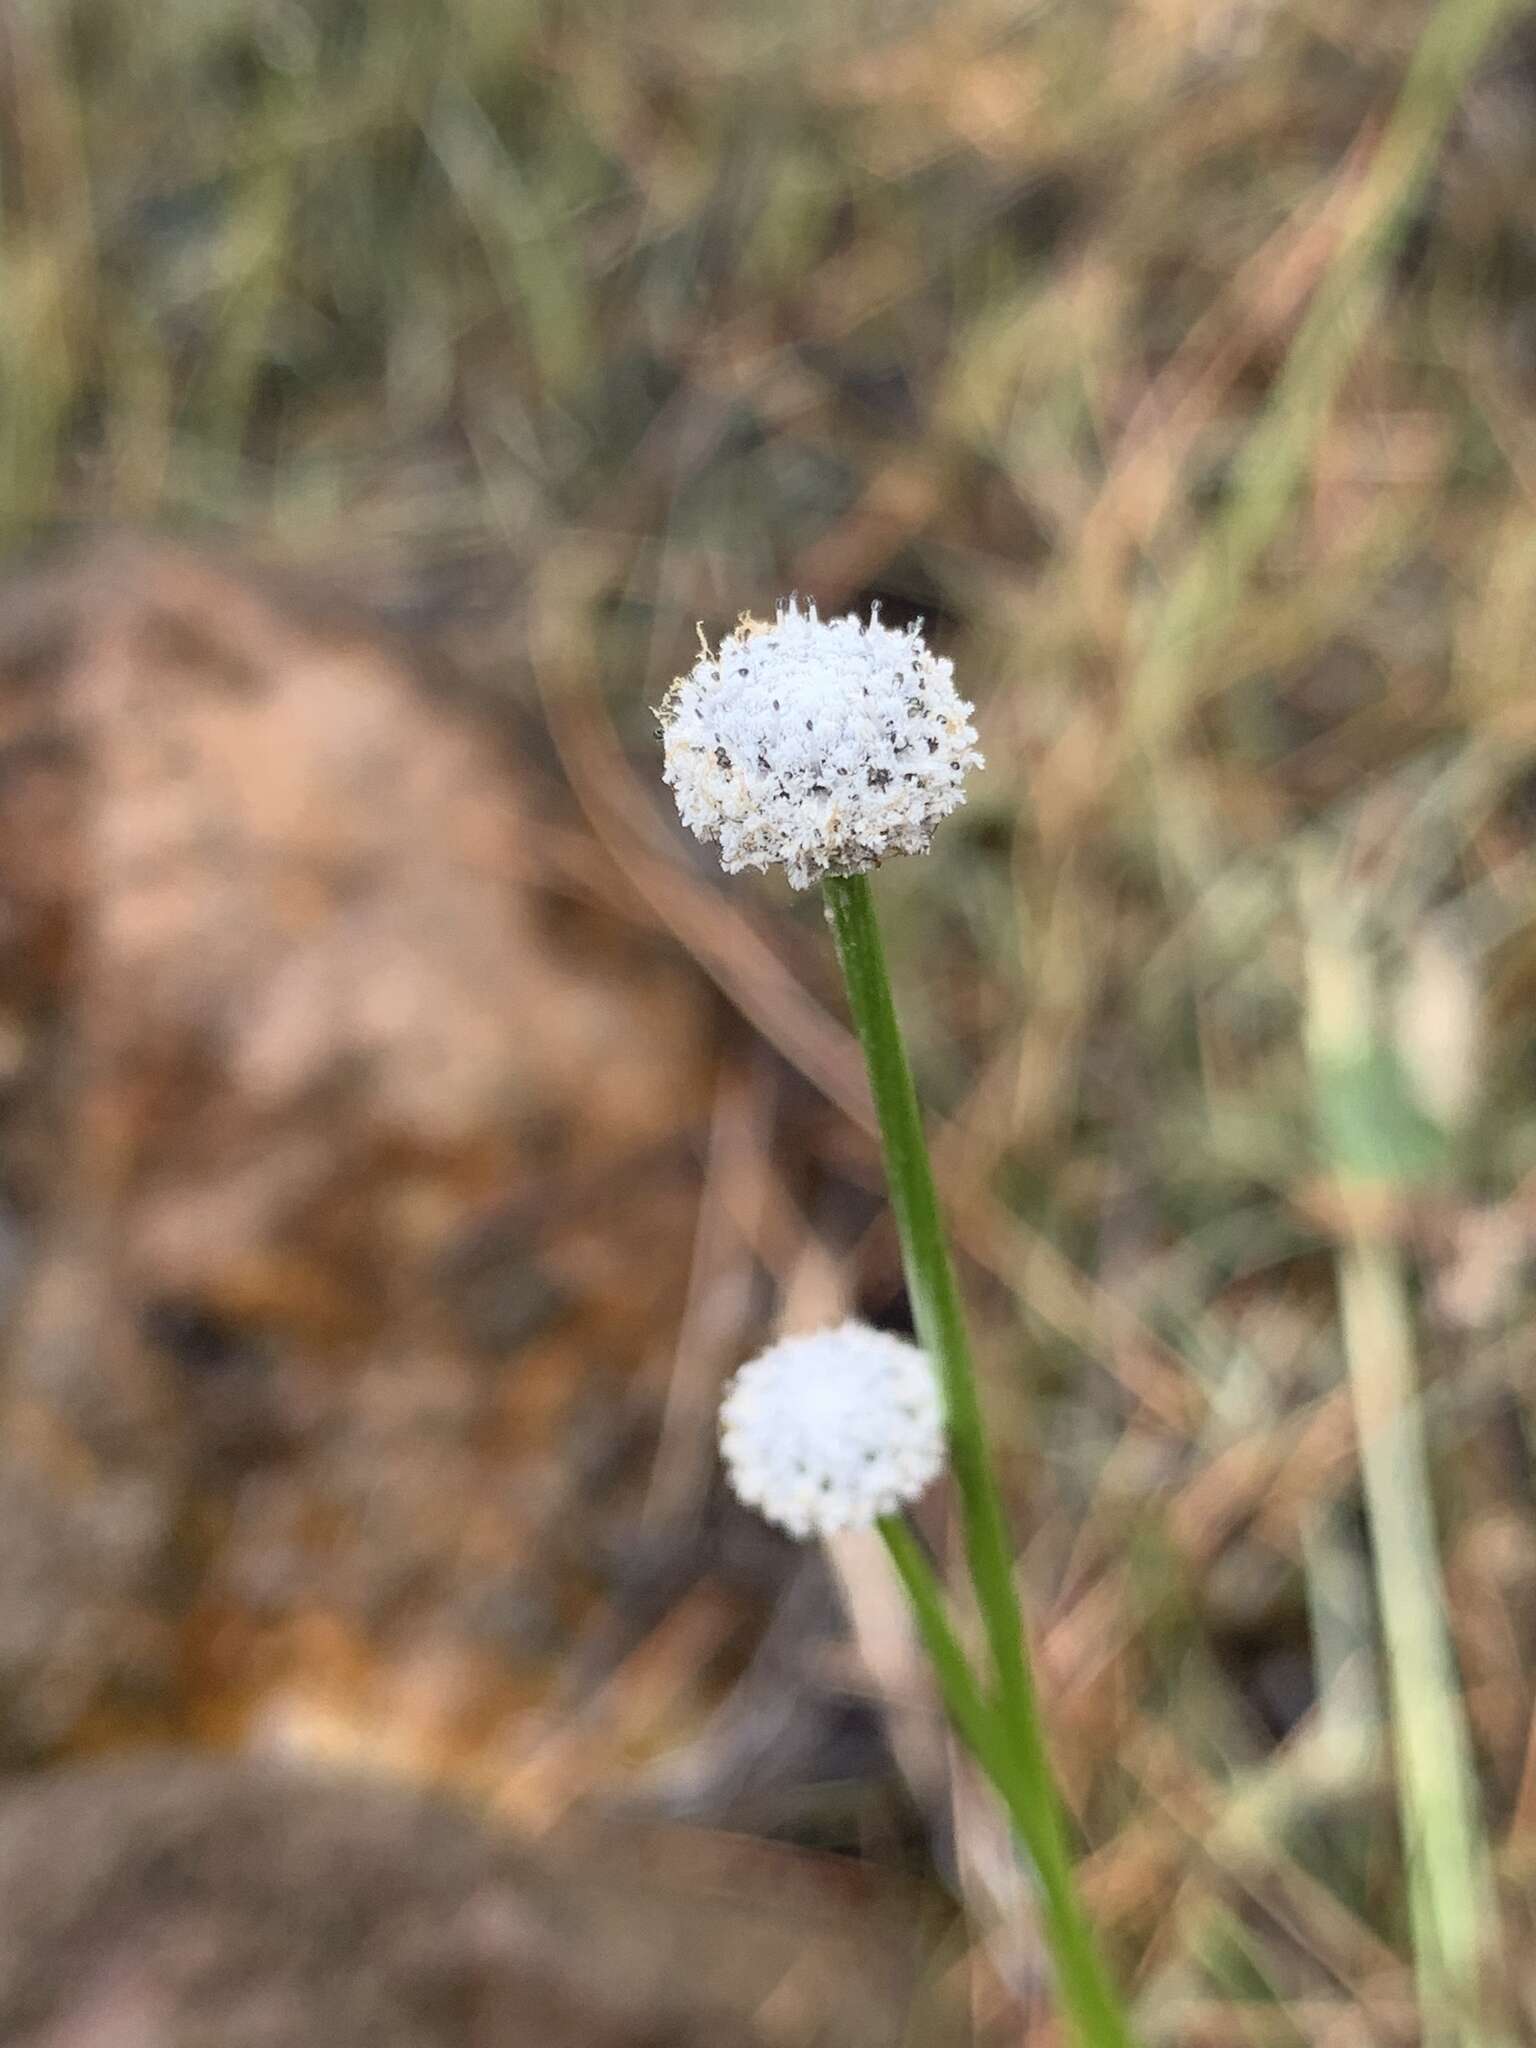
(973, 1714)
(1017, 1760)
(935, 1299)
(1025, 1788)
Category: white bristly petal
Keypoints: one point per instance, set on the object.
(821, 746)
(831, 1431)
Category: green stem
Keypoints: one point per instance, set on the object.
(974, 1716)
(931, 1286)
(1025, 1787)
(940, 1322)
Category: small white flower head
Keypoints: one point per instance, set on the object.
(819, 745)
(832, 1430)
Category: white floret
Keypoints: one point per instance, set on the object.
(821, 745)
(832, 1430)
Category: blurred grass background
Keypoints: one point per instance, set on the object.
(1187, 391)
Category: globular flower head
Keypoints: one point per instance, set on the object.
(832, 1430)
(819, 745)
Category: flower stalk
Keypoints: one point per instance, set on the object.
(1008, 1738)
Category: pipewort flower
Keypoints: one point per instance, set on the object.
(833, 1430)
(818, 745)
(824, 746)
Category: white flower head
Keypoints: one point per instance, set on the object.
(821, 745)
(830, 1431)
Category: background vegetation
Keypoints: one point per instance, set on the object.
(1186, 389)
